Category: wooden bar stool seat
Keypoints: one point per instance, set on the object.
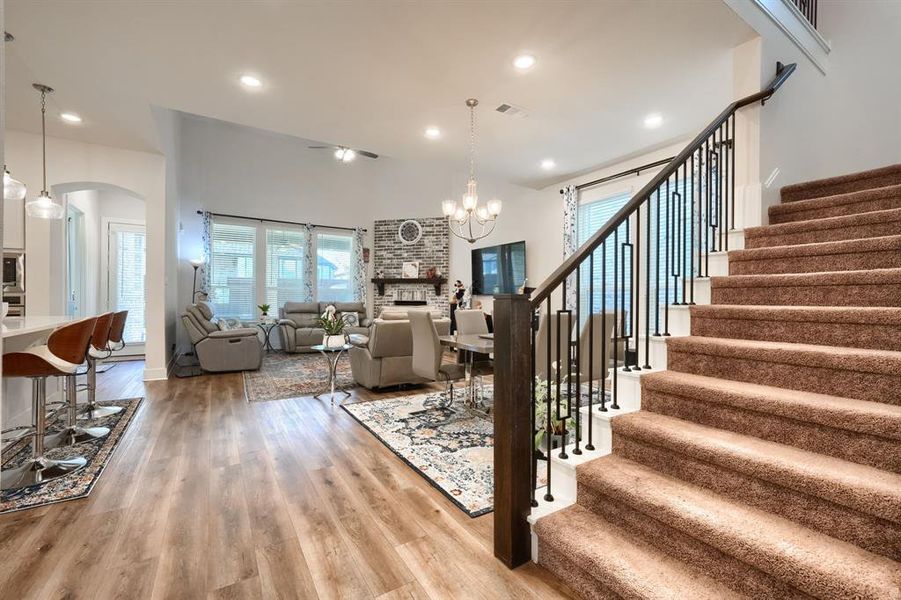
(108, 326)
(73, 433)
(60, 357)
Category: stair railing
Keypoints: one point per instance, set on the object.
(595, 316)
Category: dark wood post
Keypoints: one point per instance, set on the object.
(512, 428)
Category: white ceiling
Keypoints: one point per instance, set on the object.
(373, 74)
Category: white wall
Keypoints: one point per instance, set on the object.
(848, 119)
(69, 163)
(232, 169)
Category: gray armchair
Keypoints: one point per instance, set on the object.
(298, 327)
(237, 349)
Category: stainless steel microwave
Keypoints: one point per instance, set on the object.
(14, 272)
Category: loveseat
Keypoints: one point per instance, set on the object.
(385, 357)
(298, 329)
(217, 349)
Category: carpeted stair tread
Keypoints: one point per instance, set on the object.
(869, 253)
(876, 327)
(857, 359)
(863, 180)
(811, 562)
(860, 487)
(860, 373)
(861, 416)
(873, 287)
(868, 200)
(618, 561)
(869, 224)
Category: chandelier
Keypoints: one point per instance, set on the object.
(44, 206)
(470, 221)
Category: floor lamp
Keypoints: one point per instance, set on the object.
(196, 263)
(195, 366)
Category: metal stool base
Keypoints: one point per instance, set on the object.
(74, 435)
(98, 412)
(39, 470)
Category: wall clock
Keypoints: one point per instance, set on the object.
(409, 232)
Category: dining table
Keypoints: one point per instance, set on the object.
(472, 344)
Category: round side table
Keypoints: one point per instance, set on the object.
(266, 327)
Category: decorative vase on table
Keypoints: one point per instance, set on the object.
(334, 341)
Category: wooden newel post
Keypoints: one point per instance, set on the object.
(512, 428)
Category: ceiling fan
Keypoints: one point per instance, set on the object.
(345, 154)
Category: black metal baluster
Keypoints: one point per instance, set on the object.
(576, 351)
(691, 230)
(615, 403)
(604, 340)
(707, 216)
(725, 154)
(732, 151)
(534, 425)
(666, 261)
(657, 269)
(590, 444)
(647, 288)
(683, 235)
(549, 435)
(560, 370)
(635, 276)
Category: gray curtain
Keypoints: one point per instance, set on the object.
(206, 238)
(309, 263)
(359, 267)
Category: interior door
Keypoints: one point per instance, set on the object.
(126, 265)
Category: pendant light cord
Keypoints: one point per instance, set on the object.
(472, 143)
(44, 135)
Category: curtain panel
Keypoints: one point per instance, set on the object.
(206, 239)
(570, 238)
(359, 267)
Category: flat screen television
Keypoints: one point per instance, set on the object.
(499, 269)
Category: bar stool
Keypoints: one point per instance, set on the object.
(100, 348)
(65, 348)
(117, 331)
(73, 433)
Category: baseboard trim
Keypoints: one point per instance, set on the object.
(156, 374)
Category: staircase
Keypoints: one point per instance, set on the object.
(765, 462)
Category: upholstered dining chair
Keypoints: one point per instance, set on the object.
(472, 321)
(427, 355)
(596, 347)
(547, 340)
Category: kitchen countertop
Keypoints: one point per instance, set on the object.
(15, 326)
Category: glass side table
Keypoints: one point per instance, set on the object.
(266, 326)
(332, 355)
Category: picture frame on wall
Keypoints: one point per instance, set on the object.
(410, 269)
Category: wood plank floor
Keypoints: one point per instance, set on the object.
(209, 496)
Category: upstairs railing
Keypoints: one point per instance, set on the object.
(808, 8)
(558, 353)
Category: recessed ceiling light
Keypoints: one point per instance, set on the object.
(548, 163)
(70, 117)
(433, 133)
(524, 62)
(653, 121)
(250, 81)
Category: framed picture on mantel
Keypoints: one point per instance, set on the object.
(410, 270)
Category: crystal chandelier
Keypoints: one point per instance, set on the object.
(470, 221)
(44, 206)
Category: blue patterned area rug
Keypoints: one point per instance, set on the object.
(80, 483)
(452, 449)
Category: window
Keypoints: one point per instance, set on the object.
(334, 260)
(608, 262)
(253, 263)
(285, 249)
(128, 252)
(232, 270)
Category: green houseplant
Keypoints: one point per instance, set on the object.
(264, 310)
(542, 440)
(333, 326)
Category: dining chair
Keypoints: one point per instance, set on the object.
(428, 354)
(547, 340)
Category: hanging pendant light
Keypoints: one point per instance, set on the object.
(470, 221)
(13, 189)
(44, 206)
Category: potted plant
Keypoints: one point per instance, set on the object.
(543, 444)
(333, 326)
(264, 310)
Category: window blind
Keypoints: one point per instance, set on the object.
(232, 273)
(334, 256)
(130, 270)
(607, 261)
(285, 249)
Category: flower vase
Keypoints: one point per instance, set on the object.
(334, 341)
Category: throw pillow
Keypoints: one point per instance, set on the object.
(351, 319)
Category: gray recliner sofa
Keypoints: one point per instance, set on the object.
(238, 349)
(298, 327)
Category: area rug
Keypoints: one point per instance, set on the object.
(284, 375)
(75, 485)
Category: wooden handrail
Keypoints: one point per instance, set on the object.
(572, 263)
